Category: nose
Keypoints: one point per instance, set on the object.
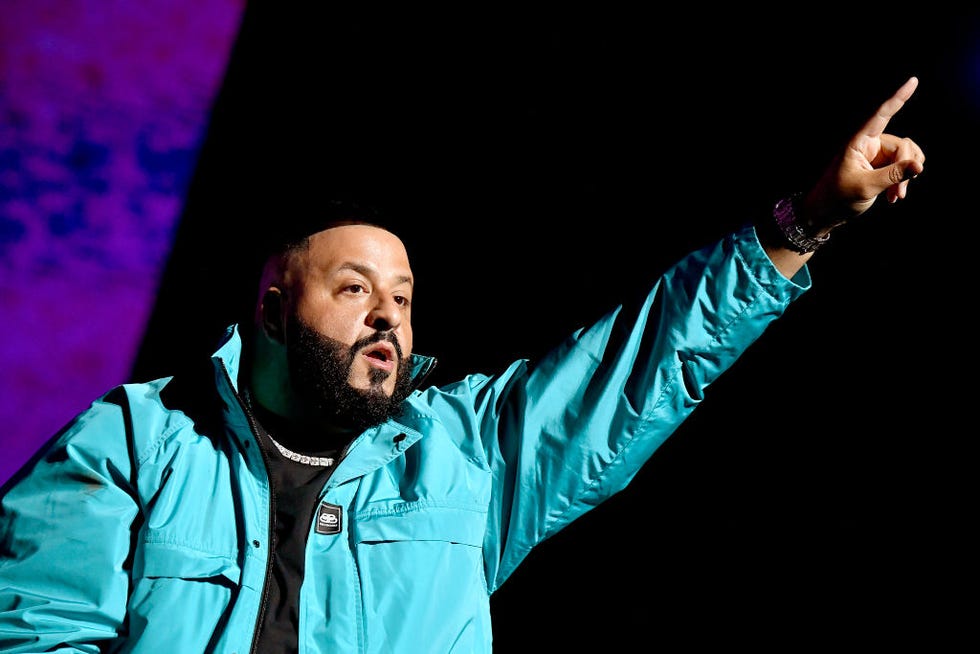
(385, 315)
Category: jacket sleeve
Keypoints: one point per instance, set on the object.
(65, 534)
(567, 432)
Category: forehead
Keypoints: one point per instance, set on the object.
(370, 250)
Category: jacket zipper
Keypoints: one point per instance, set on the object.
(253, 426)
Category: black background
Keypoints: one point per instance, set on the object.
(542, 166)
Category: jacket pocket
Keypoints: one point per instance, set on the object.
(439, 602)
(181, 597)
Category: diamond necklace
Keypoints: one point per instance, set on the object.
(319, 461)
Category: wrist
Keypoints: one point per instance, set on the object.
(790, 231)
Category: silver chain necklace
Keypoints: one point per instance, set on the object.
(319, 461)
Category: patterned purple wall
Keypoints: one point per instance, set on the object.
(103, 108)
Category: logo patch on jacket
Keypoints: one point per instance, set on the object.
(328, 519)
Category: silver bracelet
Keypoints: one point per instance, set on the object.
(793, 235)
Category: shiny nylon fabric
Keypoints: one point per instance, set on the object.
(438, 509)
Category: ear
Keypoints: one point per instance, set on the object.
(272, 319)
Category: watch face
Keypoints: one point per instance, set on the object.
(783, 212)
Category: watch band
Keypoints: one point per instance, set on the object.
(792, 234)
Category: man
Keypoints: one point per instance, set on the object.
(305, 493)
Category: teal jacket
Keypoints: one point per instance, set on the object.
(144, 525)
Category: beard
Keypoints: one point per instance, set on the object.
(319, 369)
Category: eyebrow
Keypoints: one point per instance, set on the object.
(367, 272)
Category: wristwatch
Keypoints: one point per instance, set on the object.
(793, 235)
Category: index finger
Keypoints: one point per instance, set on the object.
(877, 123)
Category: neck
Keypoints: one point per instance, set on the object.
(297, 435)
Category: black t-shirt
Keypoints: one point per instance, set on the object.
(295, 491)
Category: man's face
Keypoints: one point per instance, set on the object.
(349, 300)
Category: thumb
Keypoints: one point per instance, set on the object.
(888, 176)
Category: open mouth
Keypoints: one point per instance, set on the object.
(382, 355)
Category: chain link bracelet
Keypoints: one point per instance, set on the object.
(792, 234)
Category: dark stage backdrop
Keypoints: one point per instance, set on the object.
(543, 166)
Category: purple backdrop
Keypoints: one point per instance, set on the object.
(103, 108)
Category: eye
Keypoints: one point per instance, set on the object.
(402, 301)
(354, 288)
